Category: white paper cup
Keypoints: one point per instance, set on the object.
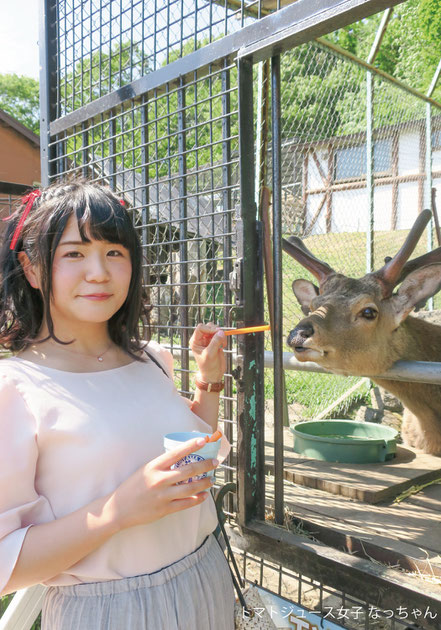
(209, 451)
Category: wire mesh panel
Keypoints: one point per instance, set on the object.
(333, 605)
(104, 45)
(172, 155)
(401, 184)
(321, 132)
(171, 152)
(357, 164)
(327, 199)
(319, 87)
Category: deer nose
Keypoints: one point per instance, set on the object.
(296, 337)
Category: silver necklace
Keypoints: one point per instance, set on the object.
(99, 357)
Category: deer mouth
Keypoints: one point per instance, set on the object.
(302, 346)
(300, 349)
(308, 353)
(311, 352)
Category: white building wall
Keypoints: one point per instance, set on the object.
(408, 153)
(350, 207)
(349, 210)
(382, 208)
(407, 205)
(312, 207)
(315, 179)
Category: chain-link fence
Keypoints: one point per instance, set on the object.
(326, 196)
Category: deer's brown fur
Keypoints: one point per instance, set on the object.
(419, 341)
(362, 327)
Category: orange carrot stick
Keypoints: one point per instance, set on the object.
(215, 437)
(244, 331)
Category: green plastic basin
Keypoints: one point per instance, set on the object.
(345, 441)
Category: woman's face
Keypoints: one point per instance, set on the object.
(90, 281)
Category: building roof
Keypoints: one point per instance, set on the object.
(10, 121)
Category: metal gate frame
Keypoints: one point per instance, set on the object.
(326, 565)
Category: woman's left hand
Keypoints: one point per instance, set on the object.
(207, 343)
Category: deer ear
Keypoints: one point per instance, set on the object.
(305, 291)
(416, 287)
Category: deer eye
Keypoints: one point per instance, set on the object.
(369, 313)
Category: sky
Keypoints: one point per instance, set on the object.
(19, 37)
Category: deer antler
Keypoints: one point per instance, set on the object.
(390, 274)
(426, 259)
(297, 250)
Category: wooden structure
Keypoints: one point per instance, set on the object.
(332, 178)
(359, 508)
(20, 154)
(19, 162)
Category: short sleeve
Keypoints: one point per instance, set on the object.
(20, 504)
(162, 355)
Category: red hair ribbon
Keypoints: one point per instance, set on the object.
(122, 202)
(29, 201)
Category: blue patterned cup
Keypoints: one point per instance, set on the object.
(209, 451)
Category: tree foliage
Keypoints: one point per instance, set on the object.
(19, 97)
(133, 134)
(99, 74)
(411, 47)
(325, 95)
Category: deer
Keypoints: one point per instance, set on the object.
(363, 326)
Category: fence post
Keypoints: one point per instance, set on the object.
(428, 186)
(48, 81)
(279, 389)
(369, 172)
(250, 439)
(145, 190)
(183, 249)
(227, 254)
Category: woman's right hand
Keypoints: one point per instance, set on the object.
(151, 492)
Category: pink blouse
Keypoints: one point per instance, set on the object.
(68, 438)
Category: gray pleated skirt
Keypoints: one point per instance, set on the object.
(194, 593)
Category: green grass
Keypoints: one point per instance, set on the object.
(315, 392)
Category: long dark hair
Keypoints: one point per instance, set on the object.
(96, 209)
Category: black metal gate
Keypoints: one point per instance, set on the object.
(158, 99)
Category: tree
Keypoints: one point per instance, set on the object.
(411, 48)
(19, 97)
(429, 13)
(116, 138)
(325, 95)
